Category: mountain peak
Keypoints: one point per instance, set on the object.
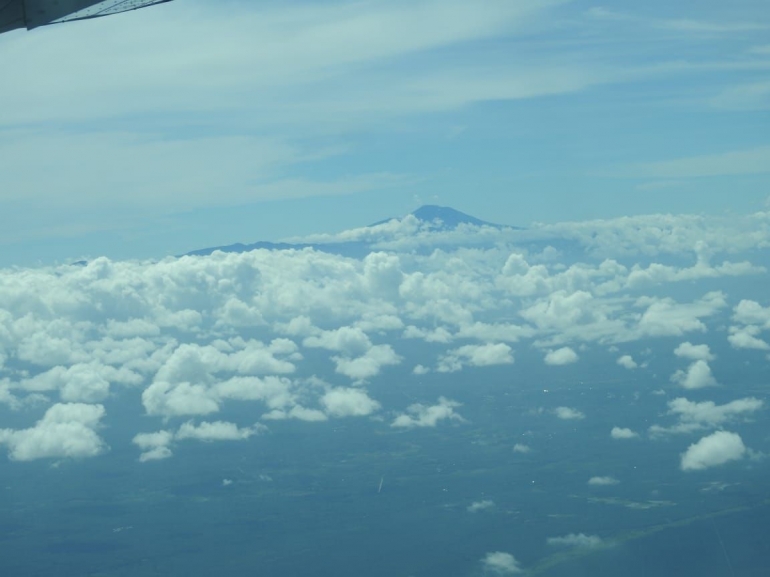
(449, 217)
(446, 217)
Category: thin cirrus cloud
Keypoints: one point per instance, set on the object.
(728, 163)
(323, 70)
(749, 96)
(688, 25)
(682, 25)
(216, 52)
(160, 172)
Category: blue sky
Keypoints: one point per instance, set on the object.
(199, 123)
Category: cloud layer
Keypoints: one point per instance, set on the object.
(309, 335)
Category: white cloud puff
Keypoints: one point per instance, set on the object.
(180, 399)
(562, 356)
(602, 481)
(751, 312)
(710, 413)
(693, 352)
(158, 445)
(561, 310)
(716, 449)
(297, 412)
(67, 430)
(665, 317)
(81, 382)
(697, 376)
(342, 402)
(351, 341)
(216, 431)
(621, 433)
(482, 505)
(367, 365)
(521, 448)
(7, 398)
(627, 362)
(154, 446)
(577, 540)
(419, 415)
(274, 392)
(475, 355)
(568, 414)
(694, 416)
(747, 338)
(299, 326)
(435, 335)
(501, 563)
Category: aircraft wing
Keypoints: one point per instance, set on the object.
(30, 14)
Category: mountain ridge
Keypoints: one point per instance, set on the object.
(440, 218)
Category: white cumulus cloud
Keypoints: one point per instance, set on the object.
(602, 481)
(216, 431)
(747, 338)
(154, 446)
(66, 430)
(576, 540)
(693, 416)
(697, 376)
(367, 365)
(713, 450)
(501, 563)
(181, 399)
(568, 413)
(477, 506)
(752, 313)
(475, 355)
(347, 402)
(693, 352)
(622, 433)
(627, 361)
(562, 356)
(419, 415)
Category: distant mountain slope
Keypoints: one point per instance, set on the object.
(349, 249)
(439, 218)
